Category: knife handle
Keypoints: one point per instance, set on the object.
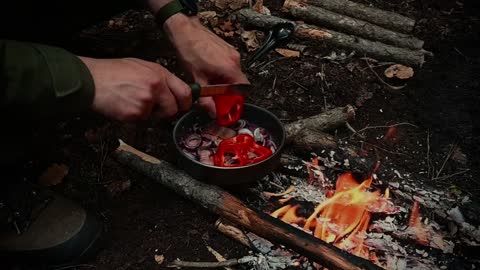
(196, 88)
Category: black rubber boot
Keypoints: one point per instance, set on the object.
(45, 228)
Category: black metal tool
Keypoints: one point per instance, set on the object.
(279, 34)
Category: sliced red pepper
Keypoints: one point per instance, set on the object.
(239, 147)
(229, 108)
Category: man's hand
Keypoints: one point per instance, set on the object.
(207, 57)
(131, 89)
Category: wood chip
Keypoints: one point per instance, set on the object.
(290, 189)
(399, 71)
(53, 175)
(287, 52)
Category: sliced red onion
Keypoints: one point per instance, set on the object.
(205, 156)
(207, 143)
(190, 154)
(193, 141)
(226, 133)
(209, 137)
(258, 136)
(240, 124)
(245, 131)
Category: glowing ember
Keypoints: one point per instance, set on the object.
(343, 218)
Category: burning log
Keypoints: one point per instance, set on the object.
(377, 50)
(222, 203)
(320, 16)
(389, 20)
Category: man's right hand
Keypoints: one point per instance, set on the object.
(130, 89)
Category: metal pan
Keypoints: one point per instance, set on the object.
(230, 176)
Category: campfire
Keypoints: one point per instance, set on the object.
(351, 215)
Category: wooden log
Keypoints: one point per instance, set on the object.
(325, 121)
(362, 46)
(387, 19)
(224, 204)
(320, 16)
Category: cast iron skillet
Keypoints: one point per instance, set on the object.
(230, 176)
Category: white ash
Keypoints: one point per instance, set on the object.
(307, 192)
(385, 225)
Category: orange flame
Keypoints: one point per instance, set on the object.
(342, 219)
(416, 227)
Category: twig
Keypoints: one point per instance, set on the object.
(269, 62)
(449, 154)
(451, 175)
(385, 150)
(429, 162)
(384, 82)
(185, 264)
(75, 266)
(395, 125)
(218, 256)
(353, 130)
(301, 86)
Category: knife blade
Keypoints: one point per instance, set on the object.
(219, 89)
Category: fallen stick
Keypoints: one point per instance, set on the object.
(232, 209)
(362, 46)
(325, 121)
(186, 264)
(233, 232)
(349, 25)
(387, 19)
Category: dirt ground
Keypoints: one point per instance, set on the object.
(143, 218)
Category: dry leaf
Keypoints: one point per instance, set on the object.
(227, 26)
(221, 4)
(205, 15)
(399, 71)
(288, 53)
(53, 175)
(260, 8)
(159, 259)
(250, 40)
(231, 4)
(115, 188)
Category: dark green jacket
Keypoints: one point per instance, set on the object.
(38, 80)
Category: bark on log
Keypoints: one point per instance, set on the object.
(224, 204)
(320, 16)
(362, 46)
(387, 19)
(321, 122)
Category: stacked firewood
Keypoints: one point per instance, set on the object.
(368, 31)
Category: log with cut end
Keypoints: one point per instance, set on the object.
(323, 17)
(362, 46)
(387, 19)
(224, 204)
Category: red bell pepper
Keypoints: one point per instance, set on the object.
(229, 108)
(242, 149)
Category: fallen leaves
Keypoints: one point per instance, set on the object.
(250, 40)
(117, 187)
(53, 175)
(230, 4)
(287, 52)
(260, 8)
(159, 259)
(226, 29)
(399, 71)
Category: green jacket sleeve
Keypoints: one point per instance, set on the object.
(41, 81)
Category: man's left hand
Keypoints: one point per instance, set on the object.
(206, 56)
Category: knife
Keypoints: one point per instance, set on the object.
(219, 89)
